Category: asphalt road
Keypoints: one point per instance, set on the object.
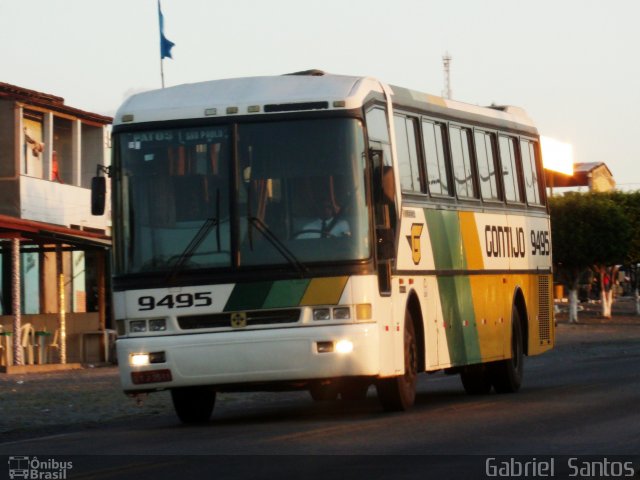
(581, 399)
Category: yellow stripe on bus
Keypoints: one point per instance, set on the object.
(324, 291)
(471, 241)
(488, 292)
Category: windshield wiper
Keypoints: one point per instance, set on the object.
(287, 254)
(197, 239)
(195, 242)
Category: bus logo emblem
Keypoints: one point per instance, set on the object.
(414, 242)
(239, 320)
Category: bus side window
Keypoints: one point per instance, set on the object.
(487, 169)
(530, 170)
(508, 160)
(384, 190)
(377, 125)
(380, 154)
(461, 160)
(434, 146)
(406, 147)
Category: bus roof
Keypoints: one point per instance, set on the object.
(302, 91)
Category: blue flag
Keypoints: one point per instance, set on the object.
(165, 44)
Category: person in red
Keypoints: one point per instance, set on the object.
(55, 169)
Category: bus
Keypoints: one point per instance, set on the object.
(325, 233)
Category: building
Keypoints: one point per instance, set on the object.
(49, 152)
(594, 175)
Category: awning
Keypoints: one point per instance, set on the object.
(43, 233)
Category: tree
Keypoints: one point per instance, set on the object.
(588, 231)
(630, 203)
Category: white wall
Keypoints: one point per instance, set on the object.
(59, 204)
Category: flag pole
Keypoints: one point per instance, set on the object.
(165, 44)
(162, 71)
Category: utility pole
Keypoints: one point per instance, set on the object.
(446, 60)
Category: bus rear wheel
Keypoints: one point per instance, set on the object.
(399, 393)
(506, 375)
(193, 404)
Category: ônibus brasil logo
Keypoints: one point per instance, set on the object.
(32, 468)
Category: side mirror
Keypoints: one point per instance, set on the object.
(98, 195)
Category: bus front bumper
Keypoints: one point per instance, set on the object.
(246, 357)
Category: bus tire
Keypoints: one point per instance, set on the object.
(476, 379)
(193, 404)
(506, 375)
(354, 390)
(399, 393)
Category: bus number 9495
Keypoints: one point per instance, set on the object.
(180, 300)
(540, 242)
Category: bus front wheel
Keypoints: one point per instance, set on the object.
(193, 404)
(321, 392)
(399, 393)
(506, 375)
(354, 390)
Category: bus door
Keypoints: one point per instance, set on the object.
(383, 188)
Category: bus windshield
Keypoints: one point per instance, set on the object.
(244, 195)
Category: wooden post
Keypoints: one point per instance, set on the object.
(63, 321)
(18, 358)
(102, 304)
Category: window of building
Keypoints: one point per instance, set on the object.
(461, 160)
(485, 154)
(433, 137)
(62, 168)
(530, 171)
(405, 130)
(507, 147)
(33, 144)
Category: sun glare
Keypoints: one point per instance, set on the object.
(556, 155)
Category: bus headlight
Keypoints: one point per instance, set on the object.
(137, 326)
(158, 325)
(341, 313)
(322, 314)
(144, 359)
(344, 346)
(139, 359)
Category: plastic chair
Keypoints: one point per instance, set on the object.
(28, 341)
(54, 345)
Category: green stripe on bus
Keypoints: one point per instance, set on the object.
(286, 293)
(248, 296)
(446, 239)
(459, 317)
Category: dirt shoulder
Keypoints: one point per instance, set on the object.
(51, 403)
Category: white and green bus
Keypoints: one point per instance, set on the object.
(328, 233)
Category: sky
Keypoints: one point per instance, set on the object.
(574, 65)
